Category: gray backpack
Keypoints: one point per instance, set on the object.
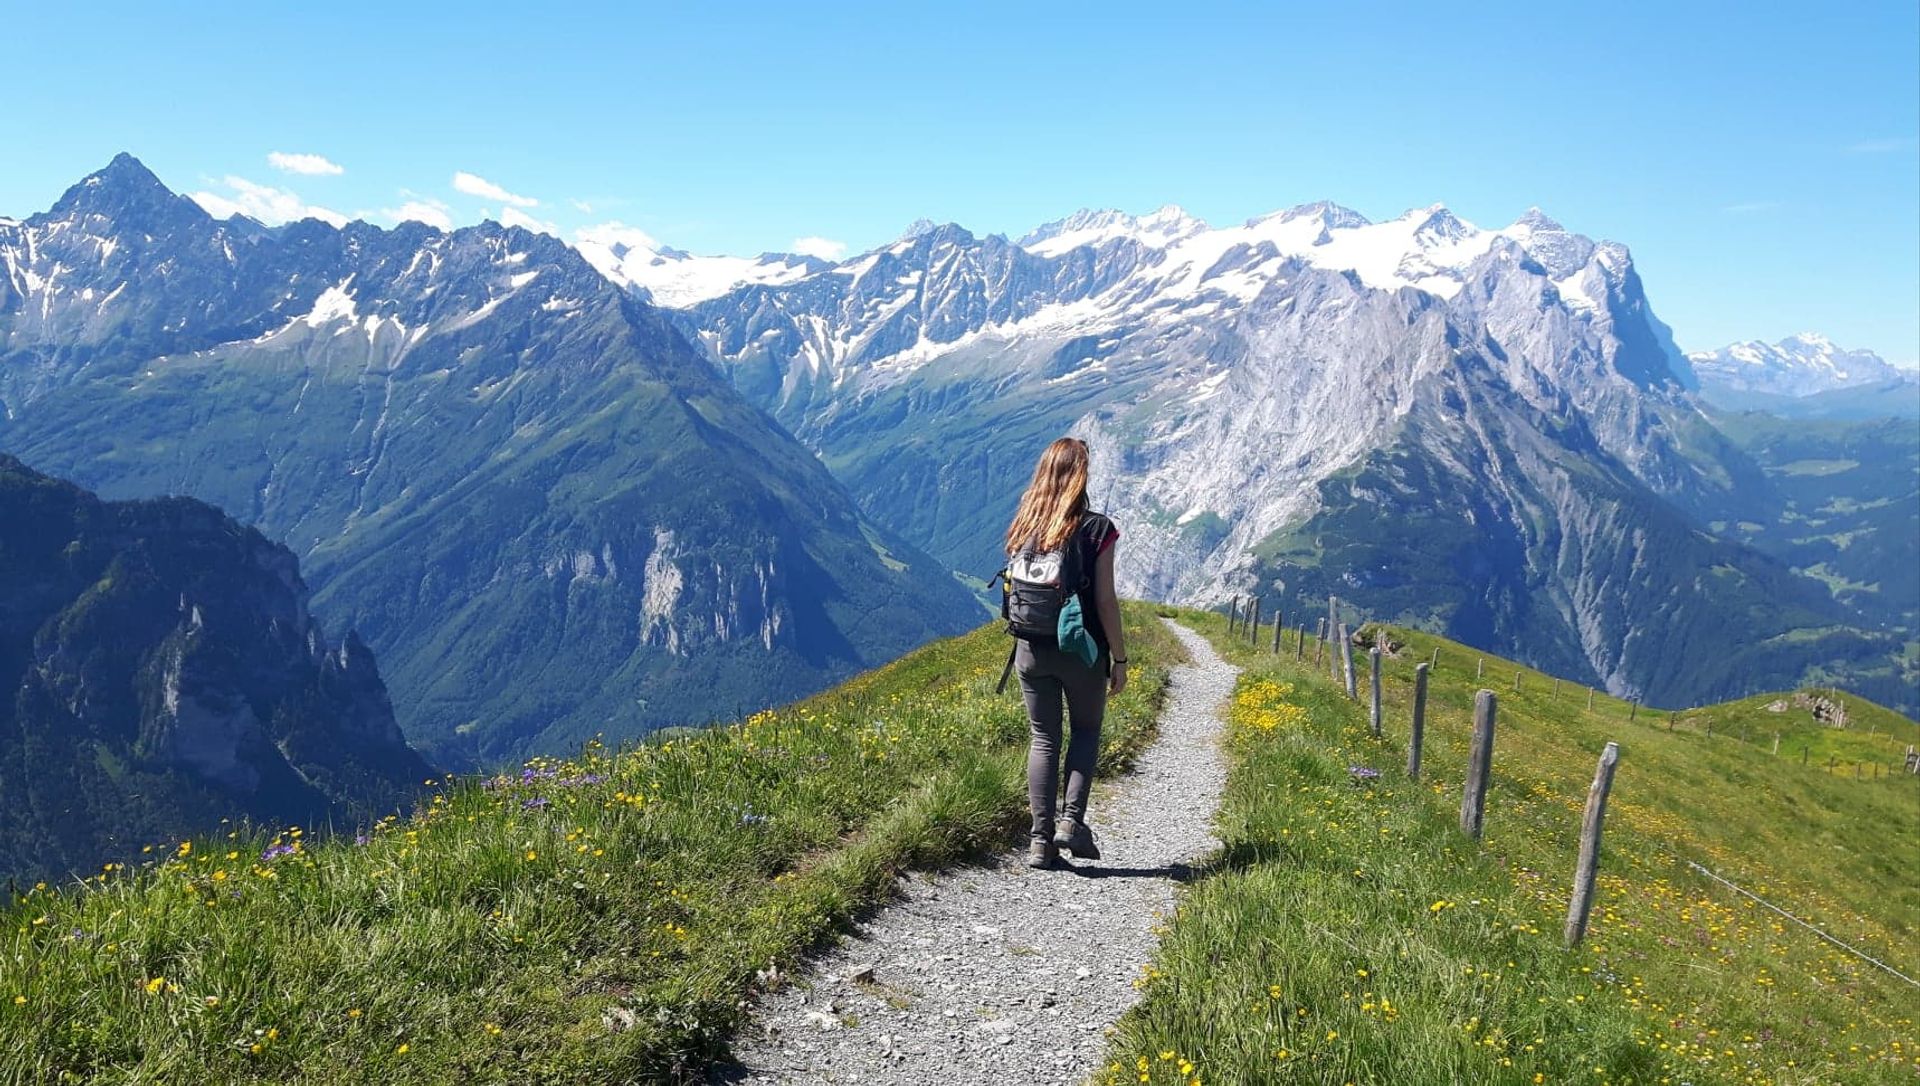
(1040, 601)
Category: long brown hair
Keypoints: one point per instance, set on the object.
(1055, 500)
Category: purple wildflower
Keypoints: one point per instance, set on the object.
(275, 852)
(1362, 773)
(533, 804)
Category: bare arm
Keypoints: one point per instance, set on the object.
(1108, 604)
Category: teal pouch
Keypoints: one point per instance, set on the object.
(1074, 638)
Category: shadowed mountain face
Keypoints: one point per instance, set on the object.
(542, 507)
(160, 671)
(1487, 433)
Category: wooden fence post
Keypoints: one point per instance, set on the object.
(1556, 687)
(1253, 620)
(1346, 663)
(1333, 625)
(1589, 699)
(1279, 624)
(1516, 681)
(1233, 615)
(1333, 618)
(1419, 720)
(1633, 710)
(1480, 668)
(1300, 649)
(1473, 798)
(1582, 904)
(1373, 661)
(1776, 744)
(1435, 662)
(1319, 641)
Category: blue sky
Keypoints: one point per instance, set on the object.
(1762, 164)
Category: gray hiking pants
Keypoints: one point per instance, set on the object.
(1047, 676)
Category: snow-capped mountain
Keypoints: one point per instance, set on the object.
(483, 447)
(673, 277)
(1094, 228)
(1526, 427)
(538, 502)
(1801, 365)
(1254, 326)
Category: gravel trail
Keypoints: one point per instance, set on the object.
(999, 973)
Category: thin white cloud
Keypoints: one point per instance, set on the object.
(582, 206)
(616, 237)
(824, 248)
(511, 216)
(1885, 146)
(262, 203)
(475, 185)
(311, 165)
(432, 212)
(1752, 207)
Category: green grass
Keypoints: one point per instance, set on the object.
(1349, 933)
(593, 919)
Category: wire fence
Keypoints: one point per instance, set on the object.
(1862, 955)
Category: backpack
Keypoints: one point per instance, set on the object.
(1040, 601)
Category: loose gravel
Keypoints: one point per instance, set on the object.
(999, 973)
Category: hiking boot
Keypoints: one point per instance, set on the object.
(1043, 855)
(1076, 838)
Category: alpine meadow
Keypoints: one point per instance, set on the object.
(655, 545)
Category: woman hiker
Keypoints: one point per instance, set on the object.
(1054, 532)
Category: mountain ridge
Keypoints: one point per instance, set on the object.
(1222, 378)
(480, 445)
(1800, 374)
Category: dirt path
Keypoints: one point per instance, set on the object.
(999, 973)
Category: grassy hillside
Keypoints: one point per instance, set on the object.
(1350, 933)
(594, 919)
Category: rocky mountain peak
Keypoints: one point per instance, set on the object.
(1537, 220)
(916, 228)
(1156, 229)
(1329, 215)
(125, 192)
(1438, 225)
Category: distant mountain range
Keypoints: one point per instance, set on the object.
(1806, 375)
(160, 671)
(554, 506)
(546, 512)
(1486, 432)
